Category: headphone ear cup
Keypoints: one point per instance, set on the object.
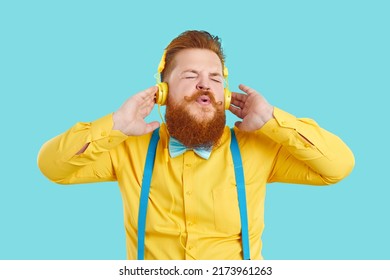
(228, 97)
(162, 94)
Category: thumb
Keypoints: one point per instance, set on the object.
(238, 124)
(152, 126)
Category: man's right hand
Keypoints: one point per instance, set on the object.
(129, 118)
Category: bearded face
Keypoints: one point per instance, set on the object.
(197, 121)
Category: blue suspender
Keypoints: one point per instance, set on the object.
(148, 171)
(240, 182)
(145, 187)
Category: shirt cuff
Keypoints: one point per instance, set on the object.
(280, 127)
(302, 135)
(102, 132)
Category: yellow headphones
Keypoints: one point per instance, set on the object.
(162, 93)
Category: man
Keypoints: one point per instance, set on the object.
(193, 209)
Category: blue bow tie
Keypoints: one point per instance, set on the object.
(176, 148)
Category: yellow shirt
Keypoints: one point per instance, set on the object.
(193, 208)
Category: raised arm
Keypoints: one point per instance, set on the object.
(81, 154)
(309, 154)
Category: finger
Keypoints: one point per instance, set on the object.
(147, 101)
(146, 105)
(237, 103)
(151, 90)
(146, 109)
(152, 126)
(239, 96)
(247, 89)
(242, 126)
(148, 93)
(236, 111)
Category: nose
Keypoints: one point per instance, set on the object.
(202, 87)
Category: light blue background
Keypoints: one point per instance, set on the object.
(67, 61)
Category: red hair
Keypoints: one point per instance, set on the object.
(191, 39)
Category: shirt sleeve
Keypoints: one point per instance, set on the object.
(59, 162)
(308, 153)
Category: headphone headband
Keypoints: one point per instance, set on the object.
(161, 66)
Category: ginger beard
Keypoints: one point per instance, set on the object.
(196, 125)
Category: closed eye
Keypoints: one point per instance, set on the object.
(189, 74)
(216, 77)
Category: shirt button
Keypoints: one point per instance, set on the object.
(307, 146)
(188, 164)
(188, 192)
(109, 140)
(190, 247)
(283, 122)
(190, 224)
(103, 133)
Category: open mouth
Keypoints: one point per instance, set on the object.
(203, 100)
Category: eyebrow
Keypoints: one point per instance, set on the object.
(214, 74)
(190, 71)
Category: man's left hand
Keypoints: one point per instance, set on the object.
(251, 107)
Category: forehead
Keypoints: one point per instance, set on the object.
(197, 59)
